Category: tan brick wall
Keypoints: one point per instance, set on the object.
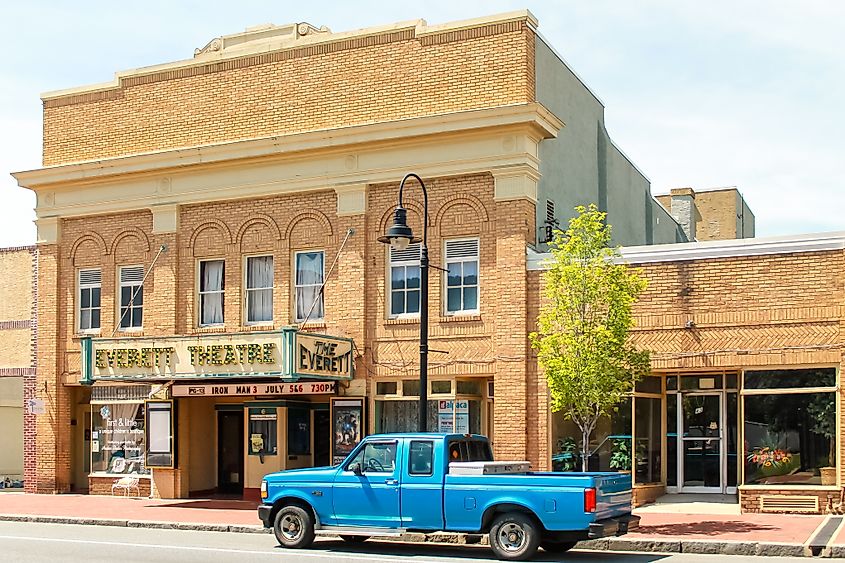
(16, 291)
(103, 486)
(16, 347)
(384, 77)
(718, 211)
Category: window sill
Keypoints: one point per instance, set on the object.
(131, 331)
(209, 329)
(87, 334)
(258, 327)
(312, 325)
(467, 318)
(402, 321)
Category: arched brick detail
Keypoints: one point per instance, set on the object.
(211, 224)
(463, 199)
(256, 219)
(310, 214)
(130, 232)
(410, 205)
(89, 236)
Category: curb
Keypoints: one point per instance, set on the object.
(720, 547)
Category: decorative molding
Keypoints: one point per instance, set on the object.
(258, 219)
(414, 208)
(15, 325)
(165, 217)
(310, 214)
(463, 199)
(130, 232)
(48, 230)
(88, 236)
(17, 372)
(351, 200)
(518, 182)
(211, 224)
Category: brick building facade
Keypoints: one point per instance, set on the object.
(207, 226)
(17, 364)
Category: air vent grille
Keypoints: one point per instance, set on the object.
(789, 503)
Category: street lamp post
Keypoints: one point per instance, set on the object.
(399, 236)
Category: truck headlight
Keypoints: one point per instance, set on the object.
(263, 489)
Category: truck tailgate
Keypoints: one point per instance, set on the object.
(613, 495)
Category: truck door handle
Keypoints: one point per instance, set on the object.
(391, 482)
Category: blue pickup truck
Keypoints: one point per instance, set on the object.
(396, 483)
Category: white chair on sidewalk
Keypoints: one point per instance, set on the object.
(126, 484)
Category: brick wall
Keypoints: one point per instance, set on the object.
(103, 486)
(382, 77)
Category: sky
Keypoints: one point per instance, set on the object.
(700, 94)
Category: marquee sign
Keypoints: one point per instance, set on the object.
(286, 354)
(250, 389)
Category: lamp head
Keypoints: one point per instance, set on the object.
(399, 234)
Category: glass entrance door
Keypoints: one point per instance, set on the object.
(701, 455)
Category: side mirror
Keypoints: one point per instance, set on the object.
(356, 469)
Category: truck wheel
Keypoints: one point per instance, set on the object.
(354, 539)
(553, 546)
(294, 527)
(514, 536)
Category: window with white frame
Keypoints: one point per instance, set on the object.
(211, 285)
(90, 286)
(259, 289)
(461, 276)
(131, 297)
(308, 281)
(405, 280)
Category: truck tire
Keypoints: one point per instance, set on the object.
(555, 546)
(514, 536)
(294, 527)
(354, 539)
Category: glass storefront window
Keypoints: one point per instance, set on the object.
(701, 382)
(650, 384)
(386, 388)
(789, 438)
(790, 378)
(672, 440)
(299, 431)
(411, 387)
(469, 387)
(647, 417)
(441, 387)
(403, 416)
(610, 443)
(117, 439)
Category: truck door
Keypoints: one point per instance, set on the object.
(422, 485)
(366, 488)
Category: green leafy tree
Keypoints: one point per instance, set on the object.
(582, 337)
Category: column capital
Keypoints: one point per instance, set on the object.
(48, 229)
(351, 199)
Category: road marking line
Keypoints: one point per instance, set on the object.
(275, 552)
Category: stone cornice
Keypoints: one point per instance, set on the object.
(544, 123)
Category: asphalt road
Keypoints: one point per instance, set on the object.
(35, 543)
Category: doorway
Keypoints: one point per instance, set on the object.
(230, 452)
(322, 438)
(706, 452)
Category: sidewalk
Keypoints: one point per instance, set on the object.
(660, 531)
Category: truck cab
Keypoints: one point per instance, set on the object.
(396, 483)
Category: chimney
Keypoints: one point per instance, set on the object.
(684, 210)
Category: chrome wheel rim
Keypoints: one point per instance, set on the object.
(291, 527)
(511, 537)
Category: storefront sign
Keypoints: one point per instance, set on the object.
(322, 356)
(453, 416)
(285, 354)
(249, 389)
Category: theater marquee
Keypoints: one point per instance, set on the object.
(286, 355)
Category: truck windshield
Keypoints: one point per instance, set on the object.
(469, 450)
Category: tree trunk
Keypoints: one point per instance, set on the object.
(585, 450)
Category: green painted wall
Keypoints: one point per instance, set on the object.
(583, 166)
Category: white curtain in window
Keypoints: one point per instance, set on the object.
(309, 278)
(212, 299)
(260, 301)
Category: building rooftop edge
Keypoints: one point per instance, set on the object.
(734, 248)
(420, 26)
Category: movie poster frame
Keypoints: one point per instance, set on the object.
(351, 405)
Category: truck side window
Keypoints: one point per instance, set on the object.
(421, 458)
(376, 457)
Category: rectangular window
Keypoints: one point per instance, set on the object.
(118, 439)
(462, 276)
(421, 458)
(309, 282)
(90, 286)
(790, 427)
(211, 292)
(299, 431)
(131, 297)
(259, 289)
(405, 280)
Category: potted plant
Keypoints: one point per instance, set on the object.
(620, 455)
